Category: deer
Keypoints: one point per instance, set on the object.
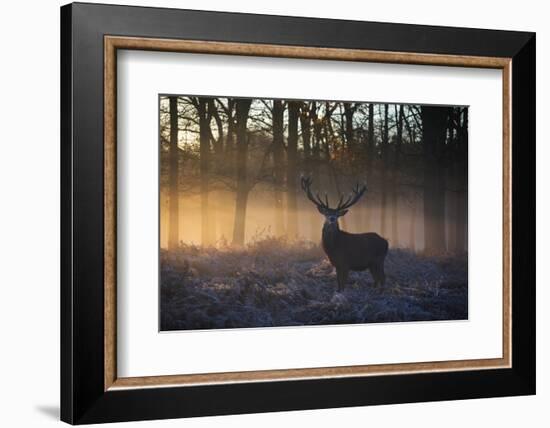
(348, 251)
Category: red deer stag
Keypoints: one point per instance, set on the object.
(348, 251)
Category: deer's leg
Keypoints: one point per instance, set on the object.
(375, 274)
(342, 277)
(378, 274)
(372, 269)
(381, 274)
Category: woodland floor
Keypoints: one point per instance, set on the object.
(276, 283)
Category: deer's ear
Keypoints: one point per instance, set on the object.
(341, 213)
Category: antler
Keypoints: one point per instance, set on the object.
(353, 197)
(306, 187)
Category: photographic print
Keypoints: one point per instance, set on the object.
(287, 212)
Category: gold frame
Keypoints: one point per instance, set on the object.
(113, 43)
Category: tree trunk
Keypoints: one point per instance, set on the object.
(315, 167)
(461, 171)
(385, 142)
(278, 155)
(348, 114)
(217, 160)
(412, 230)
(395, 171)
(242, 107)
(306, 119)
(305, 126)
(460, 222)
(204, 132)
(434, 133)
(370, 163)
(230, 140)
(414, 208)
(452, 193)
(173, 207)
(292, 168)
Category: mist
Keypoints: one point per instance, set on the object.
(338, 144)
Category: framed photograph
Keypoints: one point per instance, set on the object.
(265, 213)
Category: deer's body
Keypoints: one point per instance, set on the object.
(349, 251)
(354, 252)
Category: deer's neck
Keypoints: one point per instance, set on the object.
(330, 237)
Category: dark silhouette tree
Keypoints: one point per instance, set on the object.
(305, 127)
(349, 111)
(278, 167)
(384, 184)
(201, 104)
(241, 200)
(173, 191)
(395, 172)
(412, 227)
(315, 162)
(292, 168)
(229, 111)
(307, 116)
(434, 134)
(371, 144)
(461, 178)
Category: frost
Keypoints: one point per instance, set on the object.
(275, 282)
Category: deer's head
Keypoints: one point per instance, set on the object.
(332, 214)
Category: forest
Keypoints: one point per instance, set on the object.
(241, 242)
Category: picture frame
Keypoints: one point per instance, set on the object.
(91, 390)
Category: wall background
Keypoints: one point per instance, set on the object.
(29, 226)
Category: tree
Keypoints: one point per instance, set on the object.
(310, 166)
(434, 133)
(292, 169)
(217, 143)
(305, 126)
(395, 172)
(315, 158)
(173, 191)
(278, 158)
(461, 178)
(385, 149)
(349, 110)
(370, 155)
(204, 132)
(241, 200)
(412, 227)
(230, 139)
(411, 133)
